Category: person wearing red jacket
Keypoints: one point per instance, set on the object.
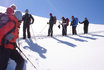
(9, 49)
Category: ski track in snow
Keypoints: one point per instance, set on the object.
(80, 52)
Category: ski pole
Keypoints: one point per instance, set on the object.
(33, 34)
(24, 54)
(27, 58)
(70, 30)
(43, 28)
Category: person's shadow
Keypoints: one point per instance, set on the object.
(77, 39)
(36, 48)
(91, 38)
(64, 42)
(96, 35)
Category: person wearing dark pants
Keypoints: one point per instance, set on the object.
(86, 30)
(50, 30)
(86, 24)
(74, 24)
(74, 30)
(6, 53)
(51, 23)
(64, 30)
(64, 27)
(26, 25)
(8, 41)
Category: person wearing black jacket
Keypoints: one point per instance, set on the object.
(51, 23)
(26, 23)
(86, 24)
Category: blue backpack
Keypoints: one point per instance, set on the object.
(76, 21)
(18, 15)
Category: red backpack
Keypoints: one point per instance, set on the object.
(67, 21)
(6, 29)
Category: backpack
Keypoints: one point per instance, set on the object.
(54, 19)
(4, 18)
(67, 21)
(18, 15)
(6, 29)
(74, 22)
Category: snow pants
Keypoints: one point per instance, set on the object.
(26, 28)
(85, 29)
(64, 30)
(74, 30)
(50, 30)
(5, 54)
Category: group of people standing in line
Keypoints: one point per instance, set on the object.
(53, 20)
(8, 41)
(65, 23)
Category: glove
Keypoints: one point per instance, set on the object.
(47, 22)
(79, 22)
(31, 23)
(59, 26)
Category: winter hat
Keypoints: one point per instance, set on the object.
(18, 15)
(50, 14)
(62, 17)
(13, 7)
(85, 18)
(10, 11)
(26, 10)
(72, 17)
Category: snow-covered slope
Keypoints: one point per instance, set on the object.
(2, 9)
(81, 52)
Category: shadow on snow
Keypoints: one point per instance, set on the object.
(87, 37)
(64, 42)
(36, 48)
(77, 39)
(96, 35)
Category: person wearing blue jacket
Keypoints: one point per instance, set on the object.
(74, 24)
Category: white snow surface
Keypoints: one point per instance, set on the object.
(80, 52)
